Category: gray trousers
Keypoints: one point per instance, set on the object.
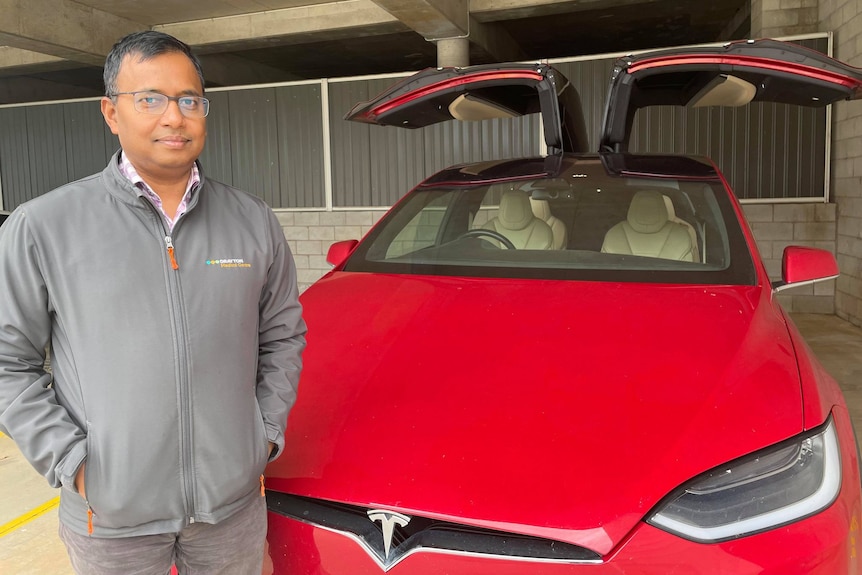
(233, 547)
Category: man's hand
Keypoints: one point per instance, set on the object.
(79, 481)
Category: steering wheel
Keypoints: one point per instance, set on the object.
(478, 232)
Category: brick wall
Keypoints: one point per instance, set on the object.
(777, 226)
(776, 18)
(844, 19)
(309, 235)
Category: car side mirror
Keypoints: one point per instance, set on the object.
(800, 266)
(339, 251)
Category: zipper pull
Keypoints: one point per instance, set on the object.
(89, 519)
(170, 244)
(262, 487)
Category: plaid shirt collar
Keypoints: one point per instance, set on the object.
(131, 174)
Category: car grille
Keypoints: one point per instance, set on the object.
(423, 534)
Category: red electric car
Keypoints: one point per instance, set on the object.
(572, 364)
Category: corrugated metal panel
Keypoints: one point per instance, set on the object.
(462, 142)
(85, 139)
(591, 79)
(254, 137)
(397, 163)
(300, 137)
(350, 143)
(46, 146)
(14, 157)
(216, 157)
(269, 141)
(764, 150)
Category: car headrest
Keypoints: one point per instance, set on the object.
(515, 211)
(541, 209)
(647, 212)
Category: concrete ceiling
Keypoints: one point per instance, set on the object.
(54, 49)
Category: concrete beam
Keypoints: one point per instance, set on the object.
(62, 28)
(496, 10)
(303, 24)
(232, 70)
(14, 61)
(432, 19)
(496, 41)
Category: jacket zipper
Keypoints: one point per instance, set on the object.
(176, 311)
(170, 245)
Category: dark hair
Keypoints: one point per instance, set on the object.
(148, 44)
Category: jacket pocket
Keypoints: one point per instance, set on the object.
(131, 481)
(230, 457)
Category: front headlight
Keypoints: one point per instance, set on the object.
(773, 487)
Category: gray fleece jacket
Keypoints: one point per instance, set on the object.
(168, 380)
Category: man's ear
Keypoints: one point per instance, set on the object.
(109, 111)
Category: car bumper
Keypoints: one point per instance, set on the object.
(824, 544)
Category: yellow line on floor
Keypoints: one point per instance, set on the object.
(29, 516)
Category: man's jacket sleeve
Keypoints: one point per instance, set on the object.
(29, 411)
(281, 340)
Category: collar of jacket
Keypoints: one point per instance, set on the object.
(128, 193)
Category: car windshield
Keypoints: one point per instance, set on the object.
(587, 224)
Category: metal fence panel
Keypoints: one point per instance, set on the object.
(591, 79)
(46, 146)
(351, 144)
(14, 157)
(86, 145)
(216, 158)
(300, 143)
(270, 142)
(254, 137)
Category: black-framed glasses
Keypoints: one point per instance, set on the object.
(156, 103)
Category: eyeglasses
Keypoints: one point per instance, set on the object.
(155, 103)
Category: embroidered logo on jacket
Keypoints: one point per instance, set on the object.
(229, 263)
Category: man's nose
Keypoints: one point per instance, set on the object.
(172, 114)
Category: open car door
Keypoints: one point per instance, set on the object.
(483, 92)
(733, 74)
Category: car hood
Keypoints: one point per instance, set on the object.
(557, 409)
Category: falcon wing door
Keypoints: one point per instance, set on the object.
(733, 74)
(483, 92)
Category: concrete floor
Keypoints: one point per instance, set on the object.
(28, 515)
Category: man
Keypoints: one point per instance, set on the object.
(170, 304)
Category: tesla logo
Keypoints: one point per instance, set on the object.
(388, 519)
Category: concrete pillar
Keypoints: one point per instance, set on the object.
(453, 52)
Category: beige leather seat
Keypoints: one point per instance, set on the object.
(671, 215)
(516, 221)
(542, 210)
(648, 231)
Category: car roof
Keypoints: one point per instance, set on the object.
(688, 167)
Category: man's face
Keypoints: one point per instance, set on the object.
(162, 147)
